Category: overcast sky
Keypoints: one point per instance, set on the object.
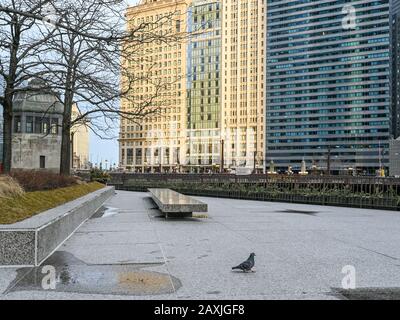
(101, 150)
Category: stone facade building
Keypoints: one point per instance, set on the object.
(36, 132)
(157, 143)
(36, 141)
(243, 79)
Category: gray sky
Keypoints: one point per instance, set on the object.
(101, 150)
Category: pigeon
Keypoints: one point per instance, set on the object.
(247, 265)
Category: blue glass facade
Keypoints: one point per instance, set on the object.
(328, 84)
(395, 66)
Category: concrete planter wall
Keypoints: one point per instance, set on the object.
(30, 242)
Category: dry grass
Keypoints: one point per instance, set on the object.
(29, 204)
(9, 188)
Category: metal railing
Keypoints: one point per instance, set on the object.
(360, 192)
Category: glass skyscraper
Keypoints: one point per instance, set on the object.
(395, 67)
(328, 82)
(203, 86)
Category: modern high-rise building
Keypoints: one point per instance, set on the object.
(243, 81)
(204, 86)
(395, 66)
(156, 143)
(328, 98)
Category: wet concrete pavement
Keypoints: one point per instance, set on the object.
(129, 251)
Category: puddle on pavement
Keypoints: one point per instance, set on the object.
(368, 294)
(75, 276)
(213, 292)
(105, 212)
(311, 213)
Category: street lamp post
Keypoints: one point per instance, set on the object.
(329, 161)
(72, 149)
(254, 162)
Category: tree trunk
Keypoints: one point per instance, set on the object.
(7, 136)
(65, 161)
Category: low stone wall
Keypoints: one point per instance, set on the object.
(30, 242)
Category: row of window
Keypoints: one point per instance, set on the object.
(38, 125)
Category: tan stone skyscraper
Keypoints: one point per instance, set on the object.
(157, 143)
(79, 143)
(213, 112)
(243, 54)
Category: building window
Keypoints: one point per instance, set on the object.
(123, 162)
(17, 124)
(129, 160)
(166, 158)
(54, 126)
(38, 125)
(29, 124)
(46, 126)
(138, 156)
(42, 162)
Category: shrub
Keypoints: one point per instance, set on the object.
(97, 175)
(42, 180)
(9, 188)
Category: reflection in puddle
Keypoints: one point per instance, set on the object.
(299, 212)
(143, 281)
(75, 276)
(109, 212)
(105, 212)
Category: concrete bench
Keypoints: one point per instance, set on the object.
(176, 205)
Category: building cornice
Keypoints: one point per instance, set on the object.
(157, 5)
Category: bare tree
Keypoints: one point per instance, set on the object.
(18, 44)
(88, 57)
(97, 72)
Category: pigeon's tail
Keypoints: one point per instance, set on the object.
(236, 268)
